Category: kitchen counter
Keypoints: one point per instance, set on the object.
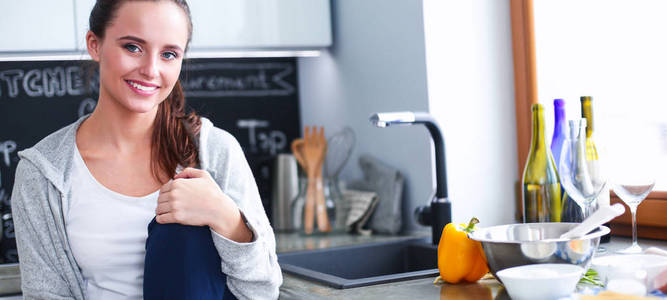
(296, 288)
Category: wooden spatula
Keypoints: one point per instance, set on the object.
(315, 151)
(298, 150)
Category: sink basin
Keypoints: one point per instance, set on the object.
(362, 265)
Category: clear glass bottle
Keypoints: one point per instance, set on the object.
(338, 200)
(299, 203)
(571, 211)
(541, 186)
(592, 153)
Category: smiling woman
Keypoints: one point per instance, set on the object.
(127, 201)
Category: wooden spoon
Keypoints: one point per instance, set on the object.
(315, 151)
(298, 150)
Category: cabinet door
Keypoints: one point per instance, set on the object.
(83, 8)
(37, 25)
(260, 24)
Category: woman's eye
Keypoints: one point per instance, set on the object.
(132, 48)
(169, 55)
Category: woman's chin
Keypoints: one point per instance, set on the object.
(141, 108)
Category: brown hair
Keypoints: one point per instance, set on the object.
(175, 132)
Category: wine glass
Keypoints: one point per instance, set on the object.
(634, 169)
(579, 171)
(633, 192)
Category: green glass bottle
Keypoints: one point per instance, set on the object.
(592, 154)
(587, 113)
(541, 186)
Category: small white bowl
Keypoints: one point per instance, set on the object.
(541, 281)
(651, 263)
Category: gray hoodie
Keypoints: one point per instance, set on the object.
(42, 184)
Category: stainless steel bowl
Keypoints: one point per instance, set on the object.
(507, 246)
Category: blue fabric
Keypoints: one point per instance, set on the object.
(182, 263)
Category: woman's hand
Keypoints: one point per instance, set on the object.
(194, 198)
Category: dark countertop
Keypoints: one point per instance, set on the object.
(288, 242)
(296, 288)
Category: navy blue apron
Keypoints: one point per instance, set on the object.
(182, 263)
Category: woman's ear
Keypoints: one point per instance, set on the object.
(93, 44)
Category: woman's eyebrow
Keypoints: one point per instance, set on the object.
(174, 47)
(133, 38)
(142, 41)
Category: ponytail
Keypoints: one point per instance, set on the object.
(175, 136)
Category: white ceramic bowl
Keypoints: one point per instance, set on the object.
(541, 281)
(651, 263)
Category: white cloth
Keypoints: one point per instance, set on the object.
(107, 232)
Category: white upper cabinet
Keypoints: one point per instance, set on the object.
(49, 25)
(36, 25)
(83, 8)
(260, 24)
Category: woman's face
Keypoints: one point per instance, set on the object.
(141, 54)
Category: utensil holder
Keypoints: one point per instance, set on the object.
(299, 203)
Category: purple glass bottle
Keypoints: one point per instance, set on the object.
(559, 129)
(571, 211)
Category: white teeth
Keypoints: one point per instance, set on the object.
(141, 87)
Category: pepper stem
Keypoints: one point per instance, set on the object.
(471, 225)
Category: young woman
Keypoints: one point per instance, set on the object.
(84, 196)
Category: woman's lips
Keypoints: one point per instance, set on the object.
(142, 88)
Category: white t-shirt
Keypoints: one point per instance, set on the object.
(107, 232)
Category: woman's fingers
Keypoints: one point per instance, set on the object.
(190, 173)
(166, 187)
(165, 218)
(163, 207)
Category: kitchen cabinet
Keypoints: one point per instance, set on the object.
(260, 24)
(37, 25)
(239, 25)
(82, 9)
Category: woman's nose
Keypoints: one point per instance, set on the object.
(149, 67)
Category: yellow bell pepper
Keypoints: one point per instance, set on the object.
(460, 258)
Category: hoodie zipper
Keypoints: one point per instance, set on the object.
(66, 247)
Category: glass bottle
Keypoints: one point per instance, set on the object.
(299, 203)
(592, 154)
(338, 200)
(541, 187)
(571, 211)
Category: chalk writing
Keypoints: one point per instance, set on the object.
(8, 224)
(250, 80)
(4, 198)
(251, 125)
(45, 82)
(11, 77)
(86, 106)
(6, 148)
(11, 255)
(260, 79)
(273, 142)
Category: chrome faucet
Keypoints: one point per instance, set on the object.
(439, 212)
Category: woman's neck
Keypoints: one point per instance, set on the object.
(114, 129)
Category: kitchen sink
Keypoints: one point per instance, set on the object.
(362, 265)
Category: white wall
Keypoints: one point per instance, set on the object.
(376, 63)
(471, 93)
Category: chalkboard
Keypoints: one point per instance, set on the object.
(256, 100)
